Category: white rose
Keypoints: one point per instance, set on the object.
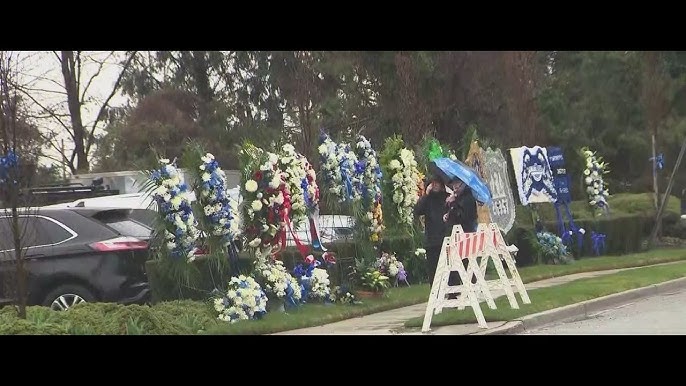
(587, 172)
(588, 180)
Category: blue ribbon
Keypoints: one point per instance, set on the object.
(348, 186)
(304, 184)
(289, 299)
(566, 235)
(659, 161)
(598, 242)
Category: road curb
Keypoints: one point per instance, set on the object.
(584, 309)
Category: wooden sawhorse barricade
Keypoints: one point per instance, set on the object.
(486, 243)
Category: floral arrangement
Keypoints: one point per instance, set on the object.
(277, 282)
(7, 162)
(294, 173)
(552, 249)
(338, 167)
(342, 295)
(369, 172)
(389, 265)
(243, 300)
(265, 197)
(593, 177)
(218, 207)
(399, 163)
(174, 206)
(314, 281)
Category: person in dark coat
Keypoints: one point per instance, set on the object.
(461, 208)
(432, 207)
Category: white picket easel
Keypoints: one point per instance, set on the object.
(498, 252)
(456, 248)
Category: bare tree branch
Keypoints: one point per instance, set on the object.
(45, 78)
(45, 90)
(99, 117)
(50, 112)
(101, 64)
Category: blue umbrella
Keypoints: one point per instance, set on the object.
(453, 169)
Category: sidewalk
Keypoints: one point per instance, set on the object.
(392, 321)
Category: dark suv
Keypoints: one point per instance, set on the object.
(77, 254)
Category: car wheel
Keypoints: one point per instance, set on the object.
(66, 296)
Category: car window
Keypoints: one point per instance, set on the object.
(48, 232)
(130, 228)
(34, 232)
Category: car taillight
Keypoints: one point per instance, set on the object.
(120, 244)
(200, 251)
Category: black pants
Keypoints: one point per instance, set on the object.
(432, 254)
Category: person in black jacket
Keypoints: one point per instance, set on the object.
(432, 207)
(461, 208)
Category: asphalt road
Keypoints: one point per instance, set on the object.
(658, 315)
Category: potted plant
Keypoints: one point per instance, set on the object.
(370, 281)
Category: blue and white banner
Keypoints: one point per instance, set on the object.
(533, 175)
(560, 177)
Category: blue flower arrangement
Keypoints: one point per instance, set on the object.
(218, 207)
(174, 206)
(7, 163)
(552, 249)
(338, 166)
(243, 300)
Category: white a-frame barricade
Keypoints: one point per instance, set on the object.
(487, 244)
(500, 252)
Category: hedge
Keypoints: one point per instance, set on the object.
(169, 318)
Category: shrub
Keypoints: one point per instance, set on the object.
(169, 318)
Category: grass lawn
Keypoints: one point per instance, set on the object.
(315, 314)
(603, 263)
(553, 297)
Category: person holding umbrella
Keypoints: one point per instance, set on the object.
(432, 207)
(461, 208)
